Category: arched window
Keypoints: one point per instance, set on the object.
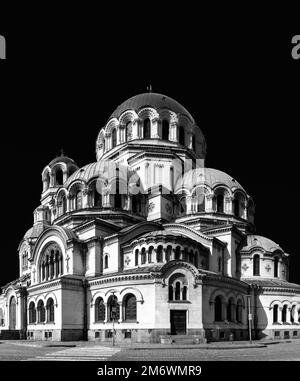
(230, 307)
(159, 254)
(168, 253)
(99, 310)
(177, 253)
(181, 135)
(178, 287)
(276, 261)
(284, 313)
(136, 257)
(41, 312)
(239, 311)
(113, 308)
(146, 129)
(292, 316)
(184, 293)
(143, 256)
(177, 291)
(128, 131)
(51, 264)
(194, 143)
(198, 200)
(182, 205)
(218, 309)
(113, 138)
(32, 313)
(47, 181)
(220, 203)
(171, 292)
(150, 250)
(275, 313)
(59, 177)
(78, 200)
(50, 310)
(106, 261)
(136, 203)
(165, 130)
(256, 260)
(64, 204)
(130, 307)
(236, 204)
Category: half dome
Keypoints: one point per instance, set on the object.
(157, 101)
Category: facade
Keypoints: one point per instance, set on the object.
(147, 242)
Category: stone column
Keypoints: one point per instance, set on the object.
(189, 137)
(121, 312)
(279, 319)
(135, 129)
(173, 136)
(228, 205)
(209, 203)
(105, 312)
(288, 315)
(155, 128)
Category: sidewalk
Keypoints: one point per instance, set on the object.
(136, 346)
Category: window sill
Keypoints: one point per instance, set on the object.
(179, 301)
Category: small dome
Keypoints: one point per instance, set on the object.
(62, 159)
(157, 101)
(85, 173)
(257, 241)
(212, 178)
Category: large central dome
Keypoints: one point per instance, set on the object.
(157, 101)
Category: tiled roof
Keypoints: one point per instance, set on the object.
(272, 283)
(36, 230)
(85, 173)
(259, 241)
(157, 101)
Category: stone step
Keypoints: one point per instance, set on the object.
(182, 339)
(6, 334)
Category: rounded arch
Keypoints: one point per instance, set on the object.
(147, 112)
(55, 233)
(113, 123)
(98, 294)
(52, 296)
(127, 116)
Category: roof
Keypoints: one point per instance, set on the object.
(62, 158)
(157, 101)
(36, 230)
(272, 283)
(262, 242)
(85, 173)
(212, 177)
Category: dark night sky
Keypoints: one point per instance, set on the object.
(61, 81)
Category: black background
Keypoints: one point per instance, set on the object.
(67, 70)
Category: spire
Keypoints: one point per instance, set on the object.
(62, 152)
(149, 89)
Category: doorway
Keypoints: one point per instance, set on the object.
(178, 322)
(12, 313)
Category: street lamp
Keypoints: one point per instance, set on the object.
(249, 318)
(113, 313)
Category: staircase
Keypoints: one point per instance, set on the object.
(6, 334)
(182, 339)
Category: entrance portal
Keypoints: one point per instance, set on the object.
(178, 322)
(12, 313)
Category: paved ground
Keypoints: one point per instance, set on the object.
(86, 351)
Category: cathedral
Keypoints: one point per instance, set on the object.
(146, 244)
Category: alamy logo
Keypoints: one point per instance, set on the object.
(296, 48)
(2, 48)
